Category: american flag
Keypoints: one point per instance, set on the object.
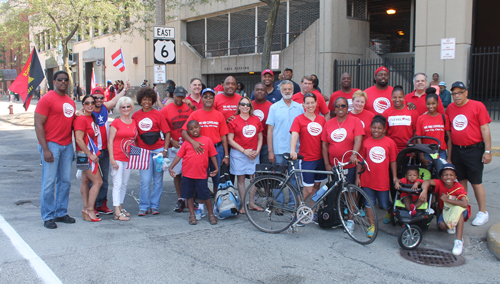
(138, 158)
(118, 60)
(93, 148)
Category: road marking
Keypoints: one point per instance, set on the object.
(43, 271)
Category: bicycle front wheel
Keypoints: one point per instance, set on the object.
(271, 204)
(355, 216)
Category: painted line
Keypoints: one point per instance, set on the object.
(43, 271)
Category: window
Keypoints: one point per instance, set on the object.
(357, 9)
(196, 35)
(217, 35)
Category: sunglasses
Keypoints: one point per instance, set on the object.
(245, 104)
(89, 103)
(208, 96)
(125, 107)
(98, 98)
(340, 106)
(62, 79)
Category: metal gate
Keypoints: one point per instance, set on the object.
(362, 72)
(484, 78)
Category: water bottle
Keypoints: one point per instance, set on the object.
(320, 193)
(180, 140)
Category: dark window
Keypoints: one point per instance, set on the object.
(302, 14)
(196, 35)
(217, 36)
(279, 37)
(243, 32)
(357, 9)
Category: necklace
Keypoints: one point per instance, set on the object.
(340, 125)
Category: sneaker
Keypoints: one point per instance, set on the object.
(203, 212)
(50, 224)
(481, 219)
(458, 247)
(180, 205)
(142, 213)
(104, 208)
(413, 213)
(315, 218)
(371, 231)
(349, 225)
(451, 231)
(155, 211)
(65, 219)
(198, 214)
(387, 218)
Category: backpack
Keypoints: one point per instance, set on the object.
(328, 216)
(227, 202)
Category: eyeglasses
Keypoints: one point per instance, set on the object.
(89, 103)
(458, 93)
(245, 104)
(208, 96)
(98, 98)
(62, 79)
(340, 106)
(125, 107)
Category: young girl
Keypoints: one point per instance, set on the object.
(411, 201)
(380, 154)
(435, 125)
(452, 192)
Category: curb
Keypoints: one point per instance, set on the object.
(493, 239)
(495, 151)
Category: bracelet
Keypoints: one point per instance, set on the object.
(487, 152)
(165, 150)
(226, 157)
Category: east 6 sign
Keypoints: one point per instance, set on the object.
(164, 51)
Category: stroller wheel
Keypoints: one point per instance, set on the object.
(410, 237)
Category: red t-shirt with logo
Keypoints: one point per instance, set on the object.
(246, 132)
(151, 121)
(86, 124)
(421, 104)
(126, 135)
(309, 135)
(378, 101)
(60, 113)
(338, 94)
(212, 124)
(433, 126)
(176, 116)
(340, 137)
(261, 111)
(378, 154)
(198, 105)
(321, 106)
(401, 125)
(440, 189)
(366, 118)
(466, 122)
(195, 165)
(227, 105)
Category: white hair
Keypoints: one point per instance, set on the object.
(125, 100)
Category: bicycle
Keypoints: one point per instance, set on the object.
(284, 205)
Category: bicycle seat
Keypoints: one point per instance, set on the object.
(287, 157)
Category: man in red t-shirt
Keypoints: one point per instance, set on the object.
(417, 97)
(195, 86)
(379, 95)
(346, 91)
(307, 87)
(471, 144)
(227, 102)
(261, 110)
(54, 115)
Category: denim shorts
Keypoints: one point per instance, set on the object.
(382, 196)
(441, 219)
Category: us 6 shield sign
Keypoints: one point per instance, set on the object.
(164, 51)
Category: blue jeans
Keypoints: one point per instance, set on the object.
(440, 163)
(280, 160)
(382, 196)
(211, 167)
(103, 191)
(151, 198)
(264, 155)
(54, 201)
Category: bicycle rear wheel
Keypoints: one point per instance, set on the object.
(350, 202)
(277, 200)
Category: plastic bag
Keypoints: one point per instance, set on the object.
(166, 164)
(79, 175)
(159, 162)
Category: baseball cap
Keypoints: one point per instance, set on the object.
(208, 90)
(288, 69)
(109, 81)
(268, 71)
(97, 90)
(442, 83)
(180, 92)
(447, 167)
(459, 85)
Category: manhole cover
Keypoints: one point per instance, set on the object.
(432, 257)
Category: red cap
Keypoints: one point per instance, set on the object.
(382, 68)
(97, 90)
(267, 71)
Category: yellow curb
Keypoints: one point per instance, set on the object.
(493, 238)
(495, 151)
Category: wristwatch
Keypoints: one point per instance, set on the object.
(226, 157)
(487, 152)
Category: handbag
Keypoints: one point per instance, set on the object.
(150, 138)
(82, 161)
(451, 212)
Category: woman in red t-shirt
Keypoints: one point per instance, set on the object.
(245, 139)
(86, 129)
(122, 134)
(435, 125)
(308, 128)
(358, 103)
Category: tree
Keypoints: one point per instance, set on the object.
(268, 36)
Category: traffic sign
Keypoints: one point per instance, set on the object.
(164, 51)
(164, 32)
(159, 74)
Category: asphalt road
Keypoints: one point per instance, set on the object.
(166, 249)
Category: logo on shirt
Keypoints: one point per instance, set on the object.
(314, 128)
(460, 122)
(339, 135)
(362, 123)
(258, 113)
(381, 104)
(398, 120)
(249, 131)
(377, 154)
(145, 124)
(68, 110)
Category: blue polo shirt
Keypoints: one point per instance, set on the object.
(281, 118)
(273, 96)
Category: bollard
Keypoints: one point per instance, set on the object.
(11, 109)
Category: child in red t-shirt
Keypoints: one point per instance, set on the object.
(194, 174)
(411, 201)
(444, 188)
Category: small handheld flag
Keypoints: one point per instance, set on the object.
(138, 158)
(118, 60)
(93, 148)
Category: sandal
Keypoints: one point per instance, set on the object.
(122, 217)
(192, 220)
(256, 208)
(213, 219)
(242, 211)
(125, 212)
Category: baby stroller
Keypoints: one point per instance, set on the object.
(411, 233)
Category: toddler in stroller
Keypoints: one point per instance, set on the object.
(411, 201)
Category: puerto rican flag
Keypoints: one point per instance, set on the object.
(93, 148)
(138, 158)
(118, 60)
(93, 80)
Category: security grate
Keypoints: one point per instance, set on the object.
(217, 36)
(303, 13)
(279, 37)
(432, 257)
(243, 32)
(196, 35)
(357, 9)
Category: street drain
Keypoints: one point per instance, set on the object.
(432, 257)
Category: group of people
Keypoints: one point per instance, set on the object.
(207, 128)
